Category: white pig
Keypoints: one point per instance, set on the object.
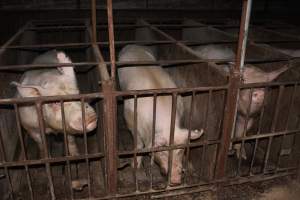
(153, 77)
(251, 74)
(52, 82)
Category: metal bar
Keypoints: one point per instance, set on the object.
(67, 152)
(171, 138)
(6, 170)
(50, 160)
(167, 148)
(86, 146)
(273, 127)
(135, 142)
(39, 109)
(111, 39)
(132, 64)
(227, 182)
(245, 129)
(110, 108)
(244, 26)
(49, 99)
(13, 38)
(94, 22)
(228, 122)
(189, 137)
(24, 155)
(205, 136)
(290, 106)
(153, 138)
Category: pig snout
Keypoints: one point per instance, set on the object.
(90, 123)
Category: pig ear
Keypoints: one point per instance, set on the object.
(66, 70)
(27, 90)
(196, 134)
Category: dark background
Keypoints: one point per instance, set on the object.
(14, 13)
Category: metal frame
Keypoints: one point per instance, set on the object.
(109, 95)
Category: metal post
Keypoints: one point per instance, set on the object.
(110, 109)
(111, 39)
(233, 91)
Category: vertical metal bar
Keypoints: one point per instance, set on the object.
(153, 138)
(233, 91)
(244, 27)
(262, 111)
(290, 106)
(24, 155)
(273, 127)
(172, 133)
(6, 171)
(189, 137)
(110, 108)
(85, 145)
(205, 136)
(67, 153)
(39, 109)
(94, 21)
(135, 142)
(245, 129)
(111, 39)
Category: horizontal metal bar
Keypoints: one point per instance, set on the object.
(265, 135)
(166, 148)
(227, 182)
(43, 161)
(48, 99)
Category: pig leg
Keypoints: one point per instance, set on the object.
(139, 146)
(73, 150)
(239, 132)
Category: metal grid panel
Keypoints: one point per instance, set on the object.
(104, 65)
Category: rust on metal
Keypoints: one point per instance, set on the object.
(110, 109)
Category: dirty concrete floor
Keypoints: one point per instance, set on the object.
(277, 189)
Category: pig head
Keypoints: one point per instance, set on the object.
(251, 101)
(53, 82)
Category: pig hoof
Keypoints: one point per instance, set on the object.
(79, 184)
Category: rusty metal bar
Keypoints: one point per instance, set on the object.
(111, 39)
(290, 106)
(23, 150)
(39, 110)
(66, 146)
(94, 22)
(49, 99)
(110, 108)
(103, 72)
(132, 64)
(172, 133)
(228, 122)
(273, 127)
(245, 129)
(167, 148)
(82, 102)
(200, 186)
(50, 160)
(153, 138)
(189, 138)
(6, 170)
(13, 38)
(205, 136)
(135, 142)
